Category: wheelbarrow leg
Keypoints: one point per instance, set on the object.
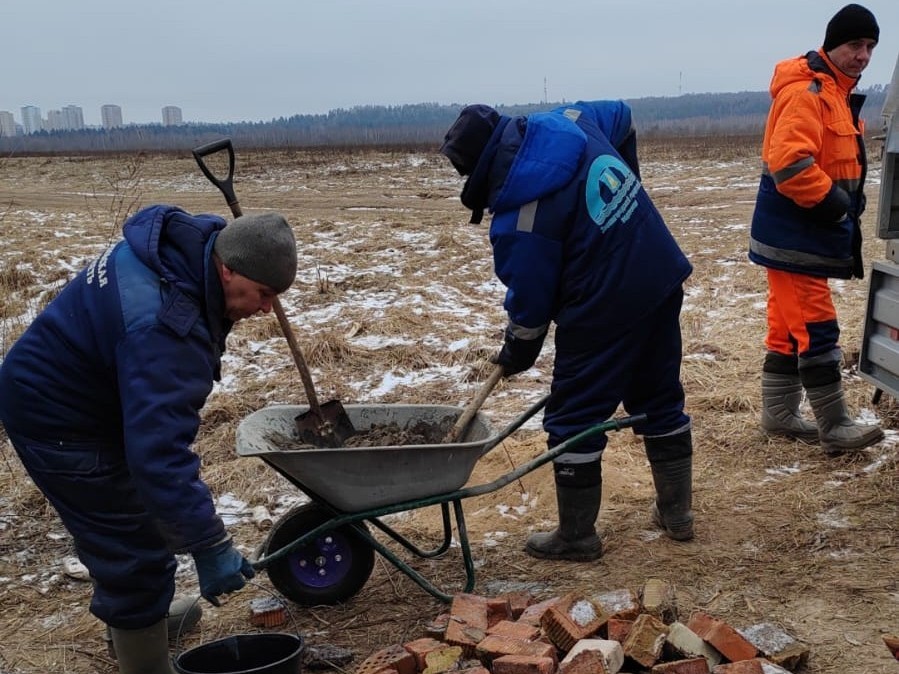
(410, 546)
(420, 580)
(466, 548)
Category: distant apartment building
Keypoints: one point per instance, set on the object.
(111, 116)
(72, 118)
(55, 121)
(31, 119)
(7, 124)
(171, 115)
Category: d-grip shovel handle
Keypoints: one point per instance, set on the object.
(226, 187)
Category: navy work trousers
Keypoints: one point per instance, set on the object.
(91, 488)
(638, 367)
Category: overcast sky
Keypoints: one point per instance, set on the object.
(231, 60)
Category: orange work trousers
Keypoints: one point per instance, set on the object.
(801, 316)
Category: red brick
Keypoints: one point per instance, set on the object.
(533, 614)
(753, 666)
(730, 643)
(682, 643)
(585, 662)
(468, 622)
(611, 651)
(523, 664)
(691, 666)
(620, 604)
(515, 630)
(475, 670)
(571, 619)
(420, 649)
(618, 629)
(498, 608)
(444, 659)
(658, 598)
(437, 627)
(645, 641)
(777, 646)
(394, 658)
(518, 602)
(495, 646)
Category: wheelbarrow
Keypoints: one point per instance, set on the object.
(323, 552)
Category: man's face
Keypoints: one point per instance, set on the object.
(245, 297)
(853, 57)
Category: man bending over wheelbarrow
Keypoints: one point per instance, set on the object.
(576, 240)
(101, 399)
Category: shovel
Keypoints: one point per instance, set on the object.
(323, 425)
(472, 408)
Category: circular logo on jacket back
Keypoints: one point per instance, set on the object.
(611, 191)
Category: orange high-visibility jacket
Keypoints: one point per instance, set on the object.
(810, 195)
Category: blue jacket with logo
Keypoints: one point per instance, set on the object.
(576, 239)
(124, 359)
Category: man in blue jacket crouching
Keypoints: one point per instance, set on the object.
(101, 398)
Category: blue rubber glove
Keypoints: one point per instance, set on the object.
(221, 569)
(518, 355)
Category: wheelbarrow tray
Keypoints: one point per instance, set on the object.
(353, 479)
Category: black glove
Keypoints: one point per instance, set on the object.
(221, 569)
(833, 207)
(517, 355)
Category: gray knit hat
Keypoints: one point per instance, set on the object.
(260, 247)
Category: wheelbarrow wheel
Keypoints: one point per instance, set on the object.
(327, 570)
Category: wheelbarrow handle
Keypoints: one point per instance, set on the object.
(226, 184)
(614, 424)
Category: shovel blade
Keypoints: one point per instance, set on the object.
(331, 428)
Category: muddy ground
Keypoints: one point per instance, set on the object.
(396, 303)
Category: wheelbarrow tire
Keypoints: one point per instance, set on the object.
(327, 570)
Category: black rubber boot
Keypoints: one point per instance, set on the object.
(575, 539)
(671, 460)
(781, 395)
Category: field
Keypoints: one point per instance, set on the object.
(396, 302)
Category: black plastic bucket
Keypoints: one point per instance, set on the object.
(274, 653)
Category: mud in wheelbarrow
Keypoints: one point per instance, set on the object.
(322, 552)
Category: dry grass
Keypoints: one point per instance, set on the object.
(784, 534)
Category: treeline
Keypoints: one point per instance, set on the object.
(422, 124)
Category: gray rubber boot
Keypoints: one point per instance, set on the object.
(781, 395)
(671, 461)
(575, 539)
(836, 430)
(143, 651)
(184, 614)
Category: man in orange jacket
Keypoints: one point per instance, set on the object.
(805, 229)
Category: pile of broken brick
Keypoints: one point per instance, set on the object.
(578, 633)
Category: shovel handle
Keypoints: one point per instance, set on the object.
(226, 187)
(298, 359)
(473, 407)
(226, 184)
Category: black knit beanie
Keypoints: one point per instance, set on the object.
(468, 136)
(262, 248)
(850, 23)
